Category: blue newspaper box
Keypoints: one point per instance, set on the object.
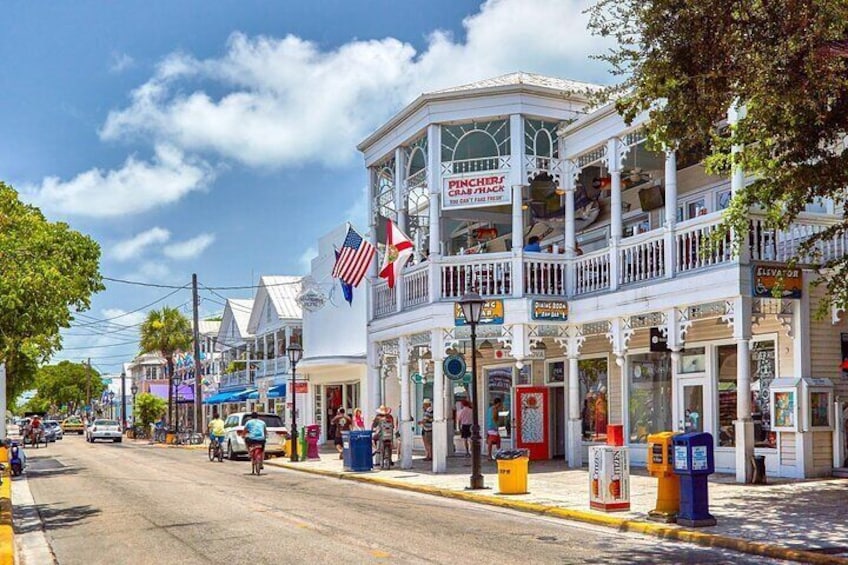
(346, 462)
(361, 458)
(693, 463)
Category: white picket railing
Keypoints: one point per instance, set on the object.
(242, 377)
(488, 274)
(694, 247)
(641, 258)
(768, 244)
(416, 285)
(592, 272)
(384, 299)
(544, 274)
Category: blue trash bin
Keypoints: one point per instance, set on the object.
(346, 454)
(361, 458)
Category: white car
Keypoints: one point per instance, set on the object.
(104, 429)
(234, 444)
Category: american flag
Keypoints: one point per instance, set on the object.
(354, 259)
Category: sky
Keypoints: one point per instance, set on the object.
(219, 138)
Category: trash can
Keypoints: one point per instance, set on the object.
(313, 433)
(360, 451)
(347, 464)
(513, 467)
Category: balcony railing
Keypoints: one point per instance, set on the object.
(652, 256)
(237, 378)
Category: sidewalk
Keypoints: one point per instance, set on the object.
(787, 516)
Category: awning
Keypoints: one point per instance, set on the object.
(229, 396)
(278, 391)
(183, 393)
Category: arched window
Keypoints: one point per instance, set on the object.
(475, 145)
(383, 191)
(417, 193)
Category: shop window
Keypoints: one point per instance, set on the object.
(649, 389)
(556, 373)
(693, 361)
(499, 385)
(762, 373)
(593, 375)
(524, 375)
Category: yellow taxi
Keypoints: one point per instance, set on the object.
(73, 425)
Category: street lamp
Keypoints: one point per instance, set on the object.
(123, 400)
(111, 404)
(295, 353)
(133, 391)
(472, 309)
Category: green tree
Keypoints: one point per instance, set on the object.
(783, 62)
(48, 272)
(166, 332)
(148, 408)
(67, 384)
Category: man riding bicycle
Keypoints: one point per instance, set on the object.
(255, 430)
(216, 429)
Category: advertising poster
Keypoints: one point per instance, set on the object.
(609, 478)
(784, 409)
(492, 315)
(475, 190)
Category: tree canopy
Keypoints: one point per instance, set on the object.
(49, 272)
(66, 384)
(165, 331)
(148, 408)
(783, 62)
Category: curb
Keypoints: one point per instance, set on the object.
(623, 524)
(7, 533)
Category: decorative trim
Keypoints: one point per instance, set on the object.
(729, 315)
(506, 339)
(449, 340)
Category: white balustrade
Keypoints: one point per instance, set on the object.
(641, 258)
(416, 285)
(769, 244)
(488, 274)
(384, 299)
(696, 245)
(544, 274)
(592, 272)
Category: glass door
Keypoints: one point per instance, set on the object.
(693, 406)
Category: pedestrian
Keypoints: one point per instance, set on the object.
(465, 418)
(383, 430)
(341, 423)
(358, 421)
(426, 424)
(493, 433)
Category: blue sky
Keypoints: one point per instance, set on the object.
(219, 137)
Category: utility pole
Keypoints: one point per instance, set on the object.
(198, 417)
(88, 385)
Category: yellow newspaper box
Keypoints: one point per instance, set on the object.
(661, 466)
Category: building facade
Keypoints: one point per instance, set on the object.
(611, 298)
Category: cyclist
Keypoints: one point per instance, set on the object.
(255, 429)
(216, 429)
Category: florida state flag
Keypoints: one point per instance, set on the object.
(398, 250)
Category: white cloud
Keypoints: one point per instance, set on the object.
(119, 62)
(305, 259)
(131, 248)
(136, 187)
(122, 317)
(151, 271)
(287, 102)
(357, 213)
(190, 247)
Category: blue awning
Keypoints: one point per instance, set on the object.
(229, 396)
(278, 391)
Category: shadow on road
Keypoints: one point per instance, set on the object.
(53, 516)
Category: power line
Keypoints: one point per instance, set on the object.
(99, 346)
(131, 311)
(157, 285)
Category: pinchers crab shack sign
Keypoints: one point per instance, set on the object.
(475, 190)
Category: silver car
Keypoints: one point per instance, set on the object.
(104, 429)
(56, 427)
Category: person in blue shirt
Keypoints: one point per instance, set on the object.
(533, 244)
(255, 429)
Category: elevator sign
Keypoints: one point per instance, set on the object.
(474, 190)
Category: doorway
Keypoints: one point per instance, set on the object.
(557, 421)
(693, 409)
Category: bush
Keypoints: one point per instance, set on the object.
(149, 408)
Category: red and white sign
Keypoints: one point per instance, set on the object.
(475, 190)
(609, 478)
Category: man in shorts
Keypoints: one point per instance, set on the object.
(341, 423)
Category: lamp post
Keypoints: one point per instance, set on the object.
(133, 391)
(123, 400)
(111, 404)
(472, 309)
(295, 352)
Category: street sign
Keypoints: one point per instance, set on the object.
(550, 310)
(417, 378)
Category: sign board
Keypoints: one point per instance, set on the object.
(609, 478)
(473, 190)
(681, 461)
(699, 458)
(659, 342)
(301, 387)
(417, 378)
(550, 310)
(492, 315)
(454, 367)
(768, 278)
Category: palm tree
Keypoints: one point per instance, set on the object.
(166, 331)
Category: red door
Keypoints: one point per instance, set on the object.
(532, 418)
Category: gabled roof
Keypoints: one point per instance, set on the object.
(282, 292)
(236, 310)
(529, 79)
(208, 327)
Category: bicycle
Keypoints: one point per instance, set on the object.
(216, 450)
(140, 432)
(189, 437)
(257, 458)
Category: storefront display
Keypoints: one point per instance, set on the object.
(499, 386)
(762, 375)
(594, 413)
(649, 390)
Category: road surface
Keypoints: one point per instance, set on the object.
(132, 503)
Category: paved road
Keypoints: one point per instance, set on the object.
(128, 503)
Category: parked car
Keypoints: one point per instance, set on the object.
(73, 425)
(59, 433)
(104, 429)
(234, 443)
(49, 433)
